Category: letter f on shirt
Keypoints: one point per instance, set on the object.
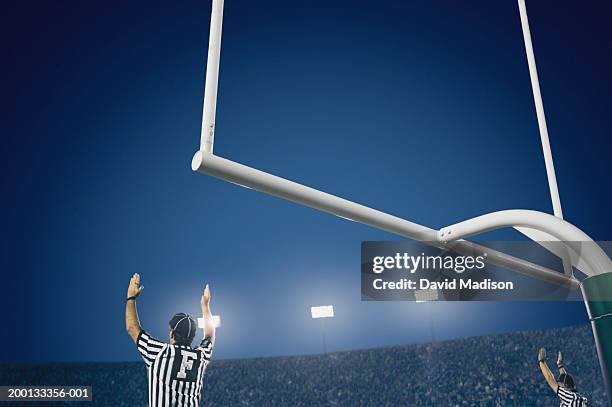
(187, 359)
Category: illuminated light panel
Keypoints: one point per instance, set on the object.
(324, 311)
(426, 295)
(216, 321)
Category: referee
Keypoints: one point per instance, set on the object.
(564, 385)
(175, 369)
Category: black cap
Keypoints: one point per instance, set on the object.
(566, 381)
(184, 327)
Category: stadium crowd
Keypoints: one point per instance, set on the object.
(496, 370)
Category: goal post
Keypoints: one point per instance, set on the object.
(596, 288)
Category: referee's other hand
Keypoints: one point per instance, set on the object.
(134, 289)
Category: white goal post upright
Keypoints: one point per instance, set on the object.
(537, 98)
(546, 149)
(207, 136)
(596, 288)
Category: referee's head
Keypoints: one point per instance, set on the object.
(566, 381)
(182, 329)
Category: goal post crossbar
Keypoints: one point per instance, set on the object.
(227, 170)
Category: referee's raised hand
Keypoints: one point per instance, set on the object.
(542, 355)
(205, 300)
(134, 289)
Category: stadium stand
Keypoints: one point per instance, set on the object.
(495, 370)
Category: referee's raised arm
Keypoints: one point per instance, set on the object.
(550, 378)
(209, 327)
(132, 324)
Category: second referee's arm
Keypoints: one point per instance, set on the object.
(550, 379)
(209, 327)
(132, 323)
(560, 363)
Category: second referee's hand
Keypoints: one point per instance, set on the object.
(560, 360)
(542, 355)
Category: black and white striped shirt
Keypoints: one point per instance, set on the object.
(175, 372)
(570, 398)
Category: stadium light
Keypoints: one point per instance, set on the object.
(324, 311)
(216, 321)
(596, 288)
(426, 295)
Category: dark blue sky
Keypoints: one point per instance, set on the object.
(421, 109)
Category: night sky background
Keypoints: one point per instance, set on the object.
(421, 109)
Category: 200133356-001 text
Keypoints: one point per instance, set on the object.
(45, 393)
